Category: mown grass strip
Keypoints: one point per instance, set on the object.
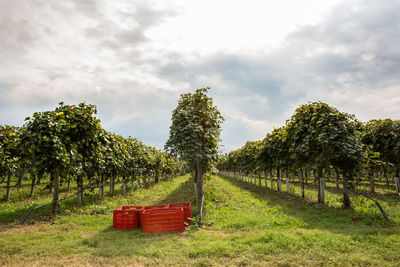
(245, 225)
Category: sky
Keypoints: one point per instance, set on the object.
(261, 58)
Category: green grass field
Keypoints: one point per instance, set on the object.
(244, 225)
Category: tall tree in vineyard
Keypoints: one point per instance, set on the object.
(194, 135)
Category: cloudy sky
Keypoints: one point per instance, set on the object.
(262, 59)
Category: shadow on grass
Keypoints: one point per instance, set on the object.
(315, 215)
(13, 211)
(23, 193)
(115, 242)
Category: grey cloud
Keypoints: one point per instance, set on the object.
(351, 60)
(75, 51)
(90, 8)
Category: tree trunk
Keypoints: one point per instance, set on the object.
(346, 198)
(33, 185)
(287, 181)
(20, 177)
(8, 187)
(371, 180)
(386, 177)
(397, 180)
(56, 177)
(79, 183)
(200, 190)
(156, 176)
(302, 182)
(278, 179)
(195, 179)
(101, 188)
(123, 185)
(397, 183)
(321, 186)
(112, 179)
(271, 179)
(265, 178)
(259, 178)
(69, 184)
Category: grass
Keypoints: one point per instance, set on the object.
(363, 207)
(244, 225)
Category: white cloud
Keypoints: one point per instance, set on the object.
(261, 58)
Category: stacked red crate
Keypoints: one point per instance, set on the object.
(154, 207)
(187, 210)
(156, 218)
(162, 220)
(125, 219)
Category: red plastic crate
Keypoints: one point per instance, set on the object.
(125, 219)
(136, 208)
(154, 207)
(162, 220)
(187, 210)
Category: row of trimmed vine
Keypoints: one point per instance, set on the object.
(68, 144)
(320, 139)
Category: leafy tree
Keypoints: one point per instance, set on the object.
(323, 136)
(277, 148)
(383, 137)
(80, 133)
(60, 139)
(194, 135)
(45, 139)
(9, 136)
